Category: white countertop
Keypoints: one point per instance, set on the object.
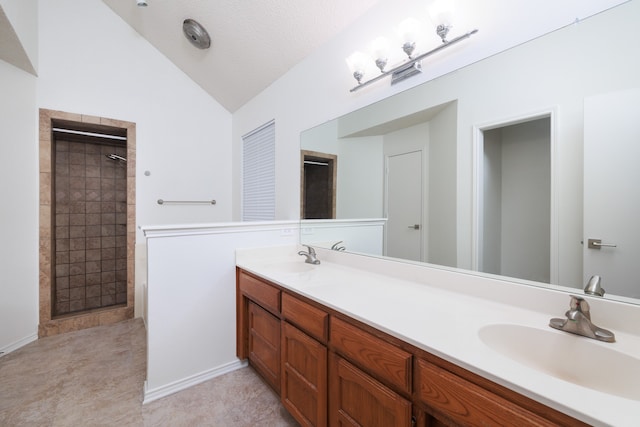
(442, 312)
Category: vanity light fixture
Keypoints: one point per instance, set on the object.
(441, 12)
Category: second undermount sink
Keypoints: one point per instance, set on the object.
(568, 357)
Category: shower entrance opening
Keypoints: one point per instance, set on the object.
(90, 216)
(87, 221)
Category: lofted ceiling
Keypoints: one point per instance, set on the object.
(253, 42)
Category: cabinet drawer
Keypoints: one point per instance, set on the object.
(310, 319)
(261, 292)
(378, 357)
(466, 403)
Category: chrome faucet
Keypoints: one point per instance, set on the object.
(594, 286)
(310, 256)
(578, 321)
(336, 246)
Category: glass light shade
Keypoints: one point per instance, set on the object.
(380, 52)
(441, 12)
(357, 61)
(410, 30)
(380, 48)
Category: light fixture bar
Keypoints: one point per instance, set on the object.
(412, 67)
(405, 71)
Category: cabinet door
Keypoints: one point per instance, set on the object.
(264, 344)
(356, 399)
(304, 377)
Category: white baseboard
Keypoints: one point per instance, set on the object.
(17, 344)
(176, 386)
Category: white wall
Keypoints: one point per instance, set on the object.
(442, 187)
(92, 62)
(526, 200)
(19, 208)
(360, 164)
(489, 203)
(516, 200)
(191, 333)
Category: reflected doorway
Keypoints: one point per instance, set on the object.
(514, 207)
(318, 189)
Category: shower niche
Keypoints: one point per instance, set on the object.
(87, 177)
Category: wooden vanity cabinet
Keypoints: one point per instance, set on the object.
(304, 361)
(332, 370)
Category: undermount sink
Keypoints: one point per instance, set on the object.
(568, 357)
(298, 266)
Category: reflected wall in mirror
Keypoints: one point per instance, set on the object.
(487, 168)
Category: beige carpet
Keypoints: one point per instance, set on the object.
(95, 377)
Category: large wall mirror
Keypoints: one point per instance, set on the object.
(522, 165)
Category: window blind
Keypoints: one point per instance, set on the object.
(258, 174)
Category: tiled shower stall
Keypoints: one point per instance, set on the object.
(87, 221)
(90, 205)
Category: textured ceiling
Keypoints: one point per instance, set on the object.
(254, 42)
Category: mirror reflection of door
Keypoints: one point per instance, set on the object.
(611, 194)
(318, 177)
(515, 200)
(404, 206)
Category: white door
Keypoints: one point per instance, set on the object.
(612, 191)
(404, 206)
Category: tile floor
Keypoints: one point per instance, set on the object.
(95, 377)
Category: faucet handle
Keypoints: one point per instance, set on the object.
(581, 305)
(311, 250)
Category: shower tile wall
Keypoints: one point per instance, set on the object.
(90, 197)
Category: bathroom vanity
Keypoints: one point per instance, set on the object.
(344, 345)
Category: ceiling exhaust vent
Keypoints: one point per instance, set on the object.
(196, 34)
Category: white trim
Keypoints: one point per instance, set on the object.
(214, 228)
(334, 223)
(477, 170)
(176, 386)
(18, 344)
(259, 128)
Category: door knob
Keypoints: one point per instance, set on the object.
(415, 226)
